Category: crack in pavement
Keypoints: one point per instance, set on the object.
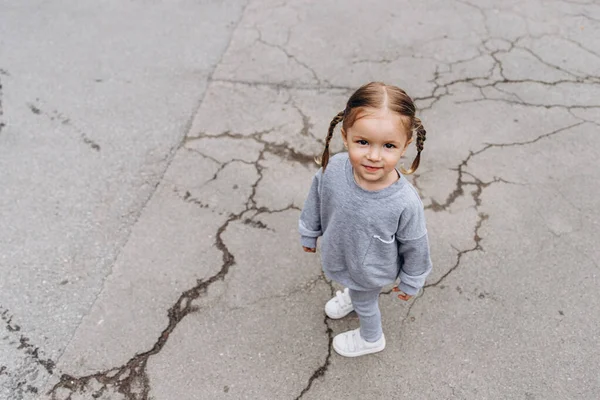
(545, 135)
(578, 78)
(8, 320)
(582, 15)
(442, 89)
(3, 72)
(21, 380)
(410, 307)
(187, 197)
(480, 185)
(399, 56)
(29, 349)
(523, 103)
(221, 168)
(2, 124)
(477, 247)
(131, 379)
(265, 210)
(251, 203)
(257, 224)
(306, 124)
(286, 85)
(476, 195)
(132, 376)
(498, 64)
(482, 217)
(282, 150)
(308, 286)
(420, 294)
(321, 370)
(288, 55)
(64, 120)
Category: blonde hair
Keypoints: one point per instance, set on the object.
(379, 96)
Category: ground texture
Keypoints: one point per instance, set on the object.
(154, 158)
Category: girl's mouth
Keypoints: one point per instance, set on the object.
(371, 169)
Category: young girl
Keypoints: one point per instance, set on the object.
(370, 217)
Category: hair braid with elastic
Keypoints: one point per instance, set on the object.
(325, 156)
(421, 137)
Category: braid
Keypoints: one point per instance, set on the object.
(324, 160)
(421, 132)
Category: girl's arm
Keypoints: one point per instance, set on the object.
(413, 248)
(416, 264)
(310, 218)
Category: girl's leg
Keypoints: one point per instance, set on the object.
(366, 305)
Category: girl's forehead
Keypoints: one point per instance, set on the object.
(380, 124)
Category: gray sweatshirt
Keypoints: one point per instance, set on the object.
(370, 238)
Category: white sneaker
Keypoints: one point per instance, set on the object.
(340, 305)
(351, 344)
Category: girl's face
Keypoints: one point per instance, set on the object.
(375, 144)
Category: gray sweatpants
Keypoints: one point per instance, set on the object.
(366, 305)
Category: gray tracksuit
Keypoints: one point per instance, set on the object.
(370, 238)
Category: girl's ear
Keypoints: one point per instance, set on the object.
(345, 138)
(408, 142)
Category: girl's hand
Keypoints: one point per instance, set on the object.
(308, 249)
(402, 295)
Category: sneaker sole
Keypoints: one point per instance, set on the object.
(360, 353)
(338, 316)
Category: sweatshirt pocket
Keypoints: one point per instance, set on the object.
(381, 260)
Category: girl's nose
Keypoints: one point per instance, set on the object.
(374, 154)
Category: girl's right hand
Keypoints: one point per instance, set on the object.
(308, 249)
(402, 295)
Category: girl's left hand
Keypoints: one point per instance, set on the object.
(402, 295)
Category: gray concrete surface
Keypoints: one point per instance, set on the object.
(154, 157)
(95, 100)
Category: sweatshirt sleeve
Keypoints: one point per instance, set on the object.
(310, 218)
(413, 248)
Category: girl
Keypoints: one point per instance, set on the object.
(370, 217)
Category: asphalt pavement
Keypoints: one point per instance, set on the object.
(154, 158)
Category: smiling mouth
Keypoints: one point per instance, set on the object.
(371, 169)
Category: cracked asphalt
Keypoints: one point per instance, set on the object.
(155, 156)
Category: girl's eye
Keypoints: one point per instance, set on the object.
(362, 142)
(389, 146)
